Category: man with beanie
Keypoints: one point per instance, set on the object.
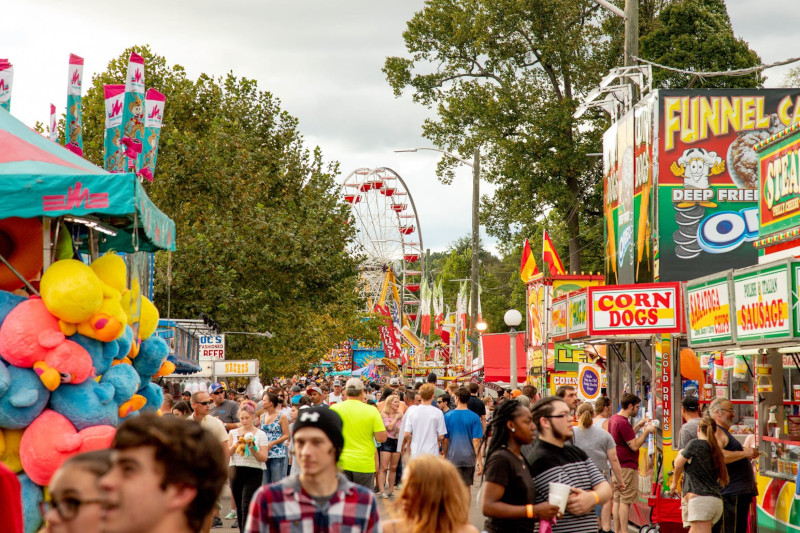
(319, 498)
(362, 423)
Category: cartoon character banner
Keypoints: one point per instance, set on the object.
(52, 128)
(133, 113)
(73, 129)
(154, 114)
(114, 157)
(708, 175)
(6, 80)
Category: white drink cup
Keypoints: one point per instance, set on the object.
(559, 494)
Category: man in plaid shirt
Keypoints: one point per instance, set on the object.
(319, 499)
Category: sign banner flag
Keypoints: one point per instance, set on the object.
(550, 256)
(133, 114)
(153, 116)
(438, 308)
(528, 268)
(73, 128)
(53, 130)
(114, 156)
(6, 80)
(425, 308)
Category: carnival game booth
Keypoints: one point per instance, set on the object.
(67, 395)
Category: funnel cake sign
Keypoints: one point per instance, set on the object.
(640, 309)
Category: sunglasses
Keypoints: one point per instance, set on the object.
(66, 508)
(219, 392)
(204, 403)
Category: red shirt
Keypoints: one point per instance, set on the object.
(11, 496)
(622, 432)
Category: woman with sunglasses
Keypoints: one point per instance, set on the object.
(75, 504)
(508, 491)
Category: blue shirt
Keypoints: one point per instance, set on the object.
(462, 426)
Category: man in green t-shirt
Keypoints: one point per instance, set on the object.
(361, 424)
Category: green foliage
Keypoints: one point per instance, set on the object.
(506, 75)
(261, 234)
(792, 78)
(697, 35)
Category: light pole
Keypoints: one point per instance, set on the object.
(513, 319)
(474, 276)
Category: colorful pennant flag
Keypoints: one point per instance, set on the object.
(53, 131)
(6, 81)
(425, 308)
(73, 126)
(154, 114)
(550, 256)
(528, 268)
(133, 114)
(438, 308)
(114, 156)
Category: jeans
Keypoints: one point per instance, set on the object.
(276, 469)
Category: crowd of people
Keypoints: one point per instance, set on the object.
(315, 456)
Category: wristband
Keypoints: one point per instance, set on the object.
(596, 498)
(529, 510)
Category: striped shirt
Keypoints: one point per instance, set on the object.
(570, 465)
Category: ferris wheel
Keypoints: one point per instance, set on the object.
(388, 236)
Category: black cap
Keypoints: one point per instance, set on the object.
(690, 403)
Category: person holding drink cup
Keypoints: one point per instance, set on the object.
(508, 495)
(563, 474)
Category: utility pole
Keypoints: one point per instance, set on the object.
(474, 275)
(631, 31)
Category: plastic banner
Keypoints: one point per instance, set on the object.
(114, 157)
(133, 114)
(53, 131)
(6, 81)
(73, 128)
(154, 114)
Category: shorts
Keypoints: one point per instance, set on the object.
(389, 445)
(467, 474)
(701, 509)
(630, 477)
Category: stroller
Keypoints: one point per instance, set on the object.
(665, 512)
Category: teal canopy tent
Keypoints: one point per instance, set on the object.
(41, 178)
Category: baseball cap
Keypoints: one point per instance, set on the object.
(215, 387)
(296, 388)
(337, 383)
(354, 384)
(394, 381)
(690, 403)
(186, 393)
(310, 389)
(515, 393)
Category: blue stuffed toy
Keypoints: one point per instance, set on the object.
(86, 404)
(23, 396)
(154, 395)
(32, 496)
(152, 354)
(8, 301)
(125, 382)
(103, 353)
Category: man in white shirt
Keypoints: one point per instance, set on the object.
(424, 425)
(335, 396)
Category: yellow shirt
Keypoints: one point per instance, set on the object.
(359, 423)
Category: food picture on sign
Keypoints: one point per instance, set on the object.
(708, 175)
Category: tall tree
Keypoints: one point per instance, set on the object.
(505, 75)
(262, 239)
(697, 35)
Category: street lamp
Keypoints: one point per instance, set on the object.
(474, 276)
(513, 319)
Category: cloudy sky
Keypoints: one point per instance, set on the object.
(322, 58)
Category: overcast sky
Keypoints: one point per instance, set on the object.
(322, 58)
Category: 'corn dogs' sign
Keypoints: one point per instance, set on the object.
(641, 309)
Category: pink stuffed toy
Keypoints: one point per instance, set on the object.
(51, 439)
(30, 337)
